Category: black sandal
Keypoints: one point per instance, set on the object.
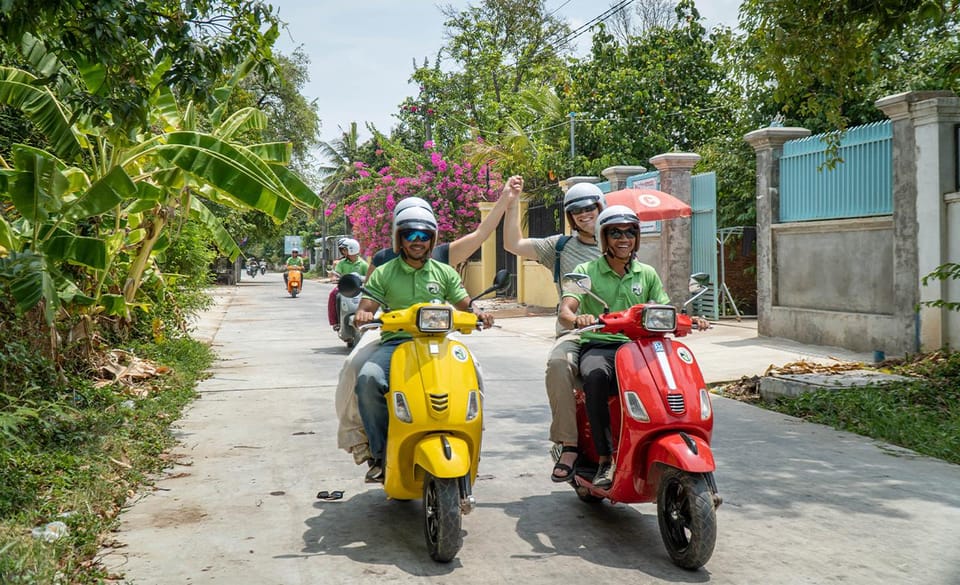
(563, 467)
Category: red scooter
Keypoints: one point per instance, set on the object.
(661, 421)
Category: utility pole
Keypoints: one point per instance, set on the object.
(573, 148)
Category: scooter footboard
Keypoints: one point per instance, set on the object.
(443, 456)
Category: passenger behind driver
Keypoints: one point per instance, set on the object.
(581, 204)
(413, 277)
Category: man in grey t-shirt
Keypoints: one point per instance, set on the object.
(582, 204)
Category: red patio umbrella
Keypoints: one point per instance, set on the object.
(649, 204)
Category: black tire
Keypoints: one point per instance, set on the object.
(687, 518)
(441, 518)
(294, 292)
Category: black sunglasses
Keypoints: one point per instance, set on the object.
(579, 210)
(618, 234)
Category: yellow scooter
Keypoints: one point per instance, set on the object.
(435, 404)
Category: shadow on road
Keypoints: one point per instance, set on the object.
(618, 536)
(368, 528)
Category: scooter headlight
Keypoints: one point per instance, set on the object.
(473, 405)
(706, 408)
(430, 319)
(400, 408)
(659, 318)
(635, 407)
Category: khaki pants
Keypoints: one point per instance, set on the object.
(350, 434)
(561, 378)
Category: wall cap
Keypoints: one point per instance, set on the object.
(898, 106)
(683, 161)
(565, 184)
(774, 136)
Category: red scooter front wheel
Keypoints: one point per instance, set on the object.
(687, 517)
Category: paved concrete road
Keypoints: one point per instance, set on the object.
(804, 504)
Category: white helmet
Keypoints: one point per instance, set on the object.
(294, 250)
(581, 196)
(411, 202)
(352, 246)
(414, 218)
(615, 215)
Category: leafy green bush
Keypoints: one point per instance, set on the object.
(922, 415)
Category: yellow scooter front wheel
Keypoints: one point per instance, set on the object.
(442, 517)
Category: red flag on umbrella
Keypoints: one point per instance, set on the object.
(649, 204)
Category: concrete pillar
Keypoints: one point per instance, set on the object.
(768, 145)
(925, 170)
(565, 184)
(618, 175)
(676, 234)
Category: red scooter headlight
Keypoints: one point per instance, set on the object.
(706, 407)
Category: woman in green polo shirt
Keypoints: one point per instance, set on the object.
(621, 281)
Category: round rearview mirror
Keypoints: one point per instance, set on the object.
(502, 279)
(575, 283)
(698, 280)
(350, 285)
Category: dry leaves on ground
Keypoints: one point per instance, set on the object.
(747, 388)
(128, 370)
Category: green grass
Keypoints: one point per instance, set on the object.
(80, 461)
(922, 415)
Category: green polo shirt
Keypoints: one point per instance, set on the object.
(402, 285)
(291, 261)
(640, 284)
(345, 266)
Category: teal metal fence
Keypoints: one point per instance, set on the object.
(703, 247)
(861, 185)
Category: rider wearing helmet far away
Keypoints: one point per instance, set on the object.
(351, 262)
(295, 260)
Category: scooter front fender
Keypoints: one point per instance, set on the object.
(443, 456)
(673, 450)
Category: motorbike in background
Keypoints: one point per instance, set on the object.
(263, 267)
(294, 280)
(661, 422)
(252, 269)
(346, 307)
(435, 404)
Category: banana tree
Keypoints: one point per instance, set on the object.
(83, 220)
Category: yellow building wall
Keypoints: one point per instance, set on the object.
(535, 285)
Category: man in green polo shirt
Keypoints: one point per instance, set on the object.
(413, 277)
(295, 260)
(621, 281)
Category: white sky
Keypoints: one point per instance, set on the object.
(362, 52)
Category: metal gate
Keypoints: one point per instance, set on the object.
(703, 248)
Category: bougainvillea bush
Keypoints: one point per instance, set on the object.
(454, 189)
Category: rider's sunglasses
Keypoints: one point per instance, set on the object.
(579, 210)
(415, 236)
(619, 234)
